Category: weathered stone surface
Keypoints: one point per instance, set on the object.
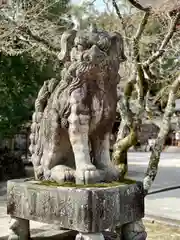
(84, 210)
(75, 115)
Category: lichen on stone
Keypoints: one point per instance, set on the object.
(95, 185)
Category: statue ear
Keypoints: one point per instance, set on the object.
(67, 42)
(117, 45)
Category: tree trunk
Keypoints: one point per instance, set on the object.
(164, 130)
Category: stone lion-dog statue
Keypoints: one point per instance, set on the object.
(73, 117)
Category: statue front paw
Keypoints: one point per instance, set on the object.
(61, 174)
(89, 176)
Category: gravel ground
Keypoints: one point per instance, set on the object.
(161, 231)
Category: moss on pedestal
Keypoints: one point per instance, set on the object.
(95, 185)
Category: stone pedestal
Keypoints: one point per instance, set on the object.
(90, 211)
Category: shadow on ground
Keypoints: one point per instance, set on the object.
(68, 235)
(40, 234)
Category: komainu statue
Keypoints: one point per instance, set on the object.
(73, 117)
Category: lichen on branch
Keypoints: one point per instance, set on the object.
(137, 5)
(164, 130)
(124, 140)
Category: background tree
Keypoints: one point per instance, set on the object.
(147, 48)
(27, 35)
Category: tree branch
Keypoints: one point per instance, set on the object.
(149, 73)
(125, 141)
(28, 31)
(121, 19)
(137, 5)
(43, 47)
(22, 36)
(137, 64)
(118, 12)
(23, 28)
(107, 6)
(166, 40)
(142, 25)
(164, 130)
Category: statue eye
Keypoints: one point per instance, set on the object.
(103, 47)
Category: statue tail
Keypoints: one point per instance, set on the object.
(36, 139)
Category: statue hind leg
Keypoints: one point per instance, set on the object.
(56, 147)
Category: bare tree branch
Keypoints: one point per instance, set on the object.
(164, 130)
(118, 13)
(91, 3)
(137, 37)
(136, 55)
(149, 73)
(142, 25)
(107, 5)
(32, 44)
(137, 5)
(124, 142)
(166, 40)
(134, 121)
(114, 3)
(26, 35)
(27, 30)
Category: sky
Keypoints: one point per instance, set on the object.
(98, 4)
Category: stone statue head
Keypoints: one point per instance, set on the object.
(92, 49)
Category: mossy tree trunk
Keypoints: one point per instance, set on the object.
(124, 140)
(164, 130)
(131, 121)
